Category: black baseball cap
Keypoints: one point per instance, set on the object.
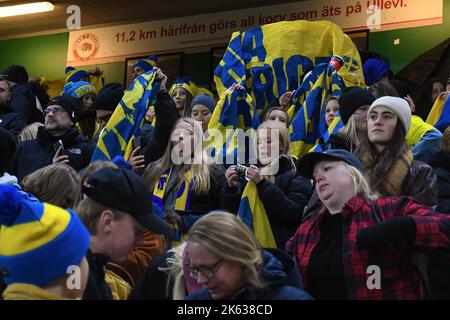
(307, 162)
(124, 190)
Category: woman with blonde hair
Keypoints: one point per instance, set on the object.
(353, 105)
(282, 193)
(58, 184)
(227, 260)
(356, 233)
(183, 184)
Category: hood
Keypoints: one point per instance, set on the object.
(279, 269)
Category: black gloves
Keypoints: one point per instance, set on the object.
(390, 231)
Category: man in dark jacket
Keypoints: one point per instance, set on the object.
(57, 141)
(23, 99)
(11, 121)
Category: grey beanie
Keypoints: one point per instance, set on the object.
(397, 105)
(204, 100)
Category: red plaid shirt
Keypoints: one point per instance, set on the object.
(399, 276)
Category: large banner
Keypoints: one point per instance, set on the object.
(110, 44)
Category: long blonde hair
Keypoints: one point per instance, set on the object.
(360, 182)
(351, 133)
(229, 238)
(201, 172)
(284, 143)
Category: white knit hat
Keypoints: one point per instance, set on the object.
(397, 105)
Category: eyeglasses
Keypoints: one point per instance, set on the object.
(208, 272)
(55, 111)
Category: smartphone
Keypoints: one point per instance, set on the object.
(58, 144)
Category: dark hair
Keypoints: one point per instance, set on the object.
(379, 163)
(382, 89)
(425, 103)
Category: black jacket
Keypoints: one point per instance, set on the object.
(283, 200)
(23, 101)
(280, 277)
(336, 142)
(153, 145)
(13, 122)
(441, 165)
(97, 288)
(35, 154)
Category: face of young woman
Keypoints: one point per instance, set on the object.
(268, 146)
(201, 113)
(179, 96)
(331, 110)
(182, 140)
(222, 278)
(278, 115)
(361, 117)
(334, 184)
(381, 125)
(88, 101)
(436, 90)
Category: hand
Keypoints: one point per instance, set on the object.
(233, 87)
(137, 161)
(391, 231)
(161, 76)
(411, 103)
(254, 174)
(95, 72)
(60, 157)
(443, 95)
(232, 176)
(285, 98)
(150, 114)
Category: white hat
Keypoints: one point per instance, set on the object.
(397, 105)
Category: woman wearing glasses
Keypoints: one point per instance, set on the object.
(229, 264)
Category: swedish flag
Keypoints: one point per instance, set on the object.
(235, 110)
(253, 214)
(439, 116)
(334, 128)
(272, 59)
(126, 121)
(308, 110)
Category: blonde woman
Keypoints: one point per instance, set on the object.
(229, 264)
(183, 185)
(357, 236)
(353, 105)
(282, 193)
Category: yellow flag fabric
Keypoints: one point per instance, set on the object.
(272, 59)
(253, 214)
(417, 130)
(126, 121)
(439, 116)
(234, 110)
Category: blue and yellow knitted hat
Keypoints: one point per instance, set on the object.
(190, 86)
(78, 89)
(147, 64)
(38, 241)
(73, 75)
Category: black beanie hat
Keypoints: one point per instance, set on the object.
(69, 103)
(15, 73)
(351, 99)
(109, 96)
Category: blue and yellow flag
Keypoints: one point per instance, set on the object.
(271, 59)
(253, 214)
(126, 121)
(234, 111)
(308, 110)
(334, 128)
(439, 116)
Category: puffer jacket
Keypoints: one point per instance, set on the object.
(35, 154)
(280, 277)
